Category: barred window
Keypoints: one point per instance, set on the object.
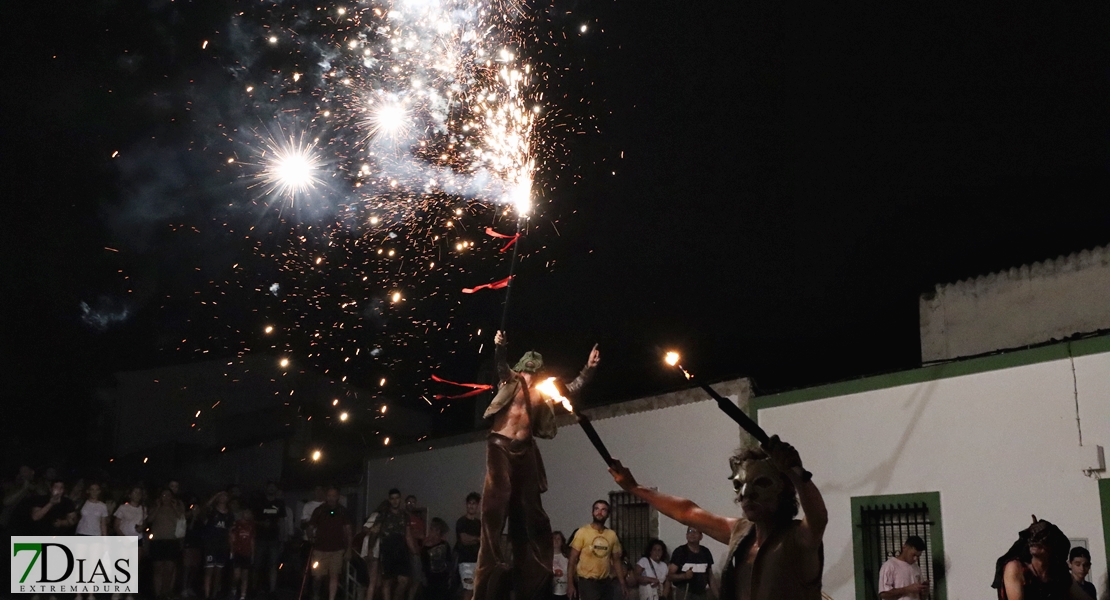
(883, 524)
(634, 521)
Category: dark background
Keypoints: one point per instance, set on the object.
(794, 176)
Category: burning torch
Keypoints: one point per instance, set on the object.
(549, 388)
(742, 419)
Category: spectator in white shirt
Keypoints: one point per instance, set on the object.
(318, 495)
(131, 515)
(94, 513)
(900, 577)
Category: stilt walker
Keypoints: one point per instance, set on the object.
(515, 476)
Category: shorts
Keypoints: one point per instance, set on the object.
(466, 575)
(241, 562)
(326, 563)
(267, 553)
(395, 560)
(217, 560)
(165, 550)
(418, 570)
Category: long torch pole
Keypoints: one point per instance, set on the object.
(595, 439)
(512, 269)
(742, 419)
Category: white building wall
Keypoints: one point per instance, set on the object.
(998, 446)
(1054, 299)
(682, 448)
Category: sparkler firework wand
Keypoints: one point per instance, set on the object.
(548, 387)
(742, 419)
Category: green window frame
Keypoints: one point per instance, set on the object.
(936, 537)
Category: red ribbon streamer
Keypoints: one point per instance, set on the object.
(478, 389)
(496, 285)
(514, 238)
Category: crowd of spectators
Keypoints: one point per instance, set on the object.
(224, 545)
(230, 545)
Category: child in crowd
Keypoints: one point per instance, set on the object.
(217, 537)
(1079, 562)
(435, 556)
(242, 552)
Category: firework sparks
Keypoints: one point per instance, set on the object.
(399, 131)
(290, 168)
(390, 120)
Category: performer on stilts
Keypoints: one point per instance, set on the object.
(515, 479)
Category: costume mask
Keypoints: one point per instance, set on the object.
(1049, 537)
(757, 481)
(531, 362)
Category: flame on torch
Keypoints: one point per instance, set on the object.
(548, 387)
(672, 359)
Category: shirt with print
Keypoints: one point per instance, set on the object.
(242, 538)
(394, 523)
(436, 560)
(216, 529)
(269, 518)
(559, 570)
(595, 547)
(682, 556)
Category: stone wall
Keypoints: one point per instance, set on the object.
(1027, 305)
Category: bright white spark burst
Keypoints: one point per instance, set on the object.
(390, 119)
(441, 83)
(290, 168)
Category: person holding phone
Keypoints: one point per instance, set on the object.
(900, 577)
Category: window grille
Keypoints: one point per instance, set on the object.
(634, 522)
(885, 528)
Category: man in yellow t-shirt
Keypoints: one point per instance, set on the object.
(595, 558)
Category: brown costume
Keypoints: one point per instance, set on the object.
(515, 478)
(775, 574)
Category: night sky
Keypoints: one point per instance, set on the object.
(766, 186)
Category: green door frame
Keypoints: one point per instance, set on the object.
(1104, 500)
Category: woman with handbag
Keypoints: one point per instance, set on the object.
(652, 570)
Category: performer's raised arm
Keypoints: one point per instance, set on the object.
(785, 458)
(770, 484)
(586, 373)
(501, 357)
(680, 509)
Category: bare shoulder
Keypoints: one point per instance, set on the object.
(1013, 570)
